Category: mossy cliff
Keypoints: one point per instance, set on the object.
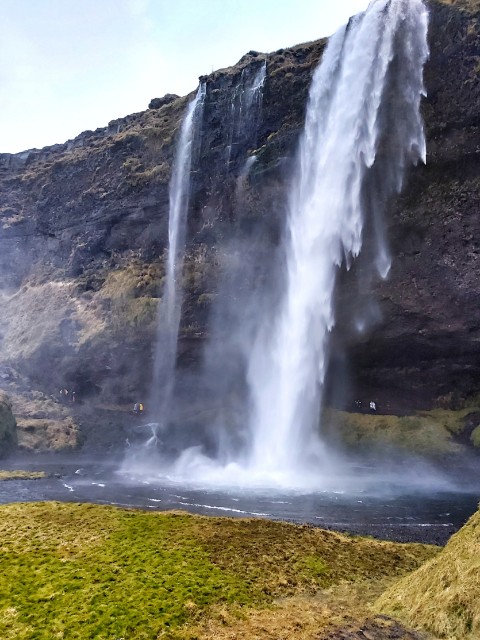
(437, 434)
(83, 235)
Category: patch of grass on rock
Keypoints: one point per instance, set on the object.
(428, 433)
(18, 474)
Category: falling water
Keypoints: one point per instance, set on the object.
(362, 129)
(170, 307)
(245, 108)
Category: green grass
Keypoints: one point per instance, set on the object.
(88, 571)
(475, 437)
(428, 433)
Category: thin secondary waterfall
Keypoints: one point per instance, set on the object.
(362, 128)
(245, 108)
(171, 303)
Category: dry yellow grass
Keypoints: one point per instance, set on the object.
(33, 317)
(468, 5)
(285, 559)
(342, 612)
(443, 595)
(18, 474)
(294, 617)
(43, 434)
(42, 423)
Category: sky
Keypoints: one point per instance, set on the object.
(71, 65)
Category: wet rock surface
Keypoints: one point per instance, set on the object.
(8, 426)
(377, 628)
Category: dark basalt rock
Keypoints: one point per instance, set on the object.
(8, 427)
(156, 103)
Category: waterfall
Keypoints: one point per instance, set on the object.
(171, 303)
(362, 129)
(245, 108)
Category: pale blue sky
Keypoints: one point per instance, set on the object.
(71, 65)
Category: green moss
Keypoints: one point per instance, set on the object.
(88, 571)
(131, 294)
(132, 281)
(428, 433)
(475, 437)
(452, 421)
(141, 311)
(317, 566)
(205, 299)
(131, 575)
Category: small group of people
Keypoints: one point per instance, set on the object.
(138, 408)
(68, 396)
(372, 405)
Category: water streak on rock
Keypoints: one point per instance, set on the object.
(245, 108)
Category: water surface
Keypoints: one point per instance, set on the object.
(421, 514)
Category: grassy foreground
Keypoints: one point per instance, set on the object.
(90, 571)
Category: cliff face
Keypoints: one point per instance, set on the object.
(426, 343)
(84, 229)
(84, 232)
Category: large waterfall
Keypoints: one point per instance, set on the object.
(365, 97)
(171, 303)
(363, 128)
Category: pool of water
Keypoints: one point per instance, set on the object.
(403, 513)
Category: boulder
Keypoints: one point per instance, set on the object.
(156, 103)
(8, 426)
